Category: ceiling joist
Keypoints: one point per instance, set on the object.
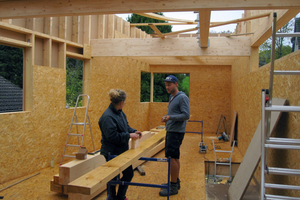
(11, 9)
(204, 20)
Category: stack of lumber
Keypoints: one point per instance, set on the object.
(85, 179)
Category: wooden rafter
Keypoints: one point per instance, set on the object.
(265, 30)
(160, 24)
(182, 31)
(160, 17)
(215, 24)
(204, 19)
(10, 9)
(155, 29)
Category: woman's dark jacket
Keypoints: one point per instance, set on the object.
(115, 131)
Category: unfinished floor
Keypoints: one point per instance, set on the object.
(192, 175)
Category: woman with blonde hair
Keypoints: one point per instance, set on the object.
(115, 136)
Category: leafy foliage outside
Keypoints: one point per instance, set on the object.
(145, 86)
(160, 93)
(11, 64)
(281, 49)
(134, 18)
(74, 77)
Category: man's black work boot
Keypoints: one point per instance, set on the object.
(173, 190)
(178, 183)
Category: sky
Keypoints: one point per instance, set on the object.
(216, 16)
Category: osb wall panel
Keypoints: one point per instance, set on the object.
(119, 73)
(246, 100)
(28, 139)
(209, 94)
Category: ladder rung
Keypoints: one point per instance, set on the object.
(276, 72)
(283, 108)
(73, 145)
(296, 34)
(219, 163)
(223, 176)
(72, 134)
(68, 156)
(281, 186)
(281, 146)
(277, 197)
(274, 140)
(283, 171)
(80, 123)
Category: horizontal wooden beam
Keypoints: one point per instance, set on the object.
(182, 31)
(188, 60)
(219, 46)
(30, 8)
(37, 34)
(265, 30)
(74, 55)
(14, 42)
(97, 178)
(161, 24)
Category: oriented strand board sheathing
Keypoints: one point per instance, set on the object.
(246, 100)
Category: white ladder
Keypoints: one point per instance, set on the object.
(275, 142)
(86, 117)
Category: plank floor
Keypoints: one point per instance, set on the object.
(192, 175)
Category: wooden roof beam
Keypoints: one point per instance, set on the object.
(160, 17)
(204, 21)
(180, 46)
(265, 29)
(10, 9)
(155, 29)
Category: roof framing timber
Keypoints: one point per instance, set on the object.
(10, 9)
(219, 46)
(204, 20)
(265, 30)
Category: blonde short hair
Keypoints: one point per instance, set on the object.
(116, 96)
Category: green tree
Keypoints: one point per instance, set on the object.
(145, 86)
(160, 94)
(281, 49)
(74, 73)
(11, 64)
(134, 18)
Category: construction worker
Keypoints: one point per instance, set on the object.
(115, 136)
(178, 114)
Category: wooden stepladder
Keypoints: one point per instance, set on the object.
(86, 122)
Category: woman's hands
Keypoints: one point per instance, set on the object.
(136, 135)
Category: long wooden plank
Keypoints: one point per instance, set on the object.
(237, 46)
(251, 159)
(76, 168)
(97, 178)
(29, 8)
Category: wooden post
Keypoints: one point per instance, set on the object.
(47, 53)
(62, 55)
(111, 27)
(75, 29)
(28, 73)
(48, 25)
(87, 29)
(62, 27)
(152, 85)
